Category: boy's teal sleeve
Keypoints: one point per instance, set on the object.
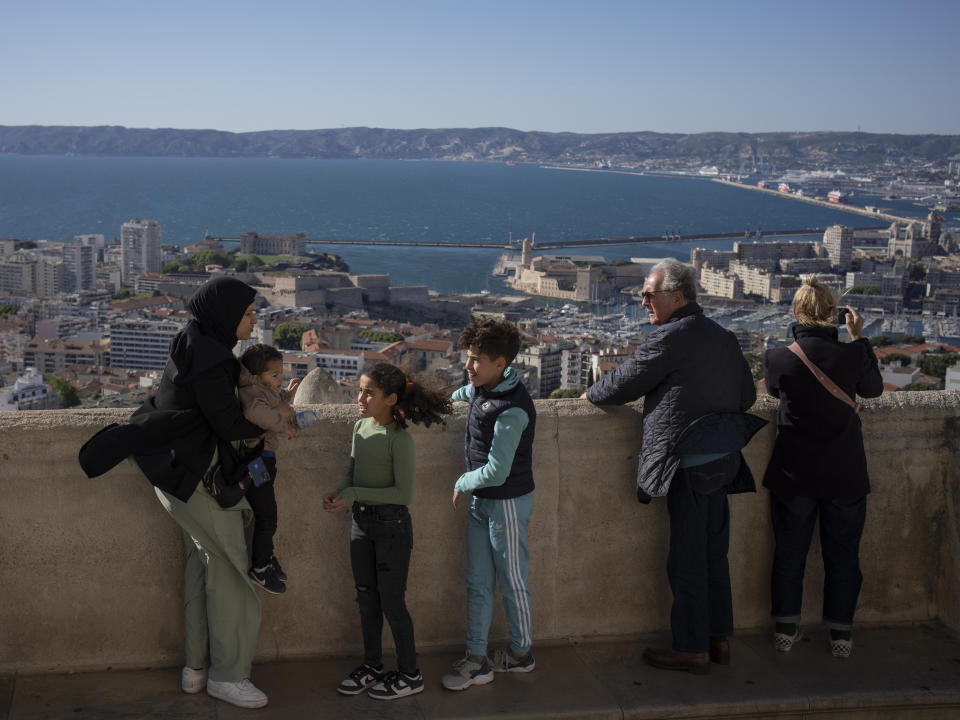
(507, 430)
(462, 394)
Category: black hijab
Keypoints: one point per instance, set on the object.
(208, 340)
(219, 306)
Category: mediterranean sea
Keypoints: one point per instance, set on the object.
(55, 198)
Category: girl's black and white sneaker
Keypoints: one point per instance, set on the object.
(362, 677)
(397, 685)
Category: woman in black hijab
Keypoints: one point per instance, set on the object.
(222, 607)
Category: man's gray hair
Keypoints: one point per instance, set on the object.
(677, 276)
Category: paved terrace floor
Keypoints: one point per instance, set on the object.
(895, 672)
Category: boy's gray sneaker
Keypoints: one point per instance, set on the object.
(505, 661)
(468, 670)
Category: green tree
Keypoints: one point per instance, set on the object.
(880, 341)
(379, 336)
(862, 290)
(7, 309)
(209, 257)
(898, 357)
(936, 365)
(68, 394)
(909, 340)
(245, 262)
(176, 266)
(288, 335)
(917, 271)
(565, 393)
(910, 387)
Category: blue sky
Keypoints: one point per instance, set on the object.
(598, 66)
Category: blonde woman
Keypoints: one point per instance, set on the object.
(818, 466)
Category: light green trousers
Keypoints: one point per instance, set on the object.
(221, 606)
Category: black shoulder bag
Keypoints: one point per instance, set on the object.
(230, 477)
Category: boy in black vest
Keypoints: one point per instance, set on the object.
(499, 453)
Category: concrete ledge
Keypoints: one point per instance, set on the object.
(897, 673)
(91, 570)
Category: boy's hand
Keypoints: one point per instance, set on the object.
(291, 432)
(455, 496)
(293, 384)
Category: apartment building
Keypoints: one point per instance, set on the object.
(140, 249)
(139, 344)
(838, 242)
(53, 355)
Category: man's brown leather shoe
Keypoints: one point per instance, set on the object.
(720, 652)
(698, 663)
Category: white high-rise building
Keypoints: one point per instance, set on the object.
(139, 249)
(838, 241)
(80, 263)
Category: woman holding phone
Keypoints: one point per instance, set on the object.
(818, 466)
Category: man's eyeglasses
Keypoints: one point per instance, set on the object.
(648, 295)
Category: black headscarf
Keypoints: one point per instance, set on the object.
(219, 305)
(208, 340)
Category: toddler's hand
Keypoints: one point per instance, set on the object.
(291, 432)
(293, 384)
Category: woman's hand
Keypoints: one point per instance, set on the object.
(854, 323)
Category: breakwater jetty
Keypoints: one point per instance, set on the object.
(843, 207)
(560, 244)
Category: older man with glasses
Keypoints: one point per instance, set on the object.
(697, 385)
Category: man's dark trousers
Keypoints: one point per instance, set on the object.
(697, 564)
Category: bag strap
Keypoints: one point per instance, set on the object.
(827, 383)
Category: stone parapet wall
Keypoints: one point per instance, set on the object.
(91, 570)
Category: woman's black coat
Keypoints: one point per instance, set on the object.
(819, 447)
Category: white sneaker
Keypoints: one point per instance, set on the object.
(192, 681)
(242, 694)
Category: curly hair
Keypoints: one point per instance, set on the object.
(416, 403)
(493, 338)
(256, 357)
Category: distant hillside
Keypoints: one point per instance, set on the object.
(729, 151)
